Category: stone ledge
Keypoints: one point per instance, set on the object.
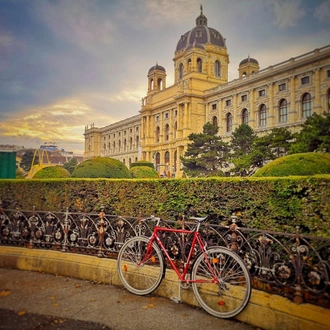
(264, 310)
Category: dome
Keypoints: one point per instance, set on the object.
(201, 34)
(196, 45)
(156, 67)
(249, 59)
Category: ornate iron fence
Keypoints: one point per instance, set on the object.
(291, 265)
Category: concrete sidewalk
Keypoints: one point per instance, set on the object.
(32, 301)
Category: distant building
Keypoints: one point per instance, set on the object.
(282, 95)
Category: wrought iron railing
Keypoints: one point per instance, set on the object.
(291, 265)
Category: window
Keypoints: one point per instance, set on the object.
(166, 115)
(125, 145)
(130, 143)
(283, 115)
(328, 73)
(215, 121)
(157, 161)
(282, 87)
(262, 92)
(167, 157)
(175, 129)
(137, 140)
(306, 105)
(245, 116)
(305, 80)
(157, 134)
(167, 132)
(228, 103)
(217, 69)
(229, 120)
(262, 116)
(199, 65)
(214, 106)
(244, 98)
(181, 71)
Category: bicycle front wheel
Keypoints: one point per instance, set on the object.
(229, 296)
(140, 273)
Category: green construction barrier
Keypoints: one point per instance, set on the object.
(7, 165)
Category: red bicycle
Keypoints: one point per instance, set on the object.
(218, 276)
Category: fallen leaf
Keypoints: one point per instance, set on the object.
(56, 304)
(4, 293)
(20, 313)
(77, 285)
(52, 297)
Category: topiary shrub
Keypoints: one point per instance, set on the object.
(310, 163)
(143, 172)
(142, 163)
(52, 172)
(101, 167)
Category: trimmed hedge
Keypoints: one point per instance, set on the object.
(101, 167)
(143, 172)
(278, 204)
(297, 164)
(142, 163)
(52, 172)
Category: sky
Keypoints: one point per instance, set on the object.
(66, 64)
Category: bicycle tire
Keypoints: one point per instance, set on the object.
(140, 279)
(230, 296)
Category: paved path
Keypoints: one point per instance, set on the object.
(38, 301)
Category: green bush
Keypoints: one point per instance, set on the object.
(101, 167)
(143, 172)
(297, 164)
(52, 172)
(143, 163)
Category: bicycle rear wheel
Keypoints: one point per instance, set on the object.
(140, 276)
(231, 294)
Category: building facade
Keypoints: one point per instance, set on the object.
(282, 95)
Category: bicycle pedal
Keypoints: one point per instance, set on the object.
(176, 299)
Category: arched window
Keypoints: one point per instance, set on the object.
(215, 121)
(119, 145)
(157, 161)
(160, 83)
(217, 69)
(181, 71)
(262, 116)
(157, 134)
(151, 84)
(104, 148)
(167, 157)
(167, 132)
(189, 65)
(129, 162)
(137, 141)
(199, 65)
(306, 105)
(245, 116)
(229, 124)
(175, 129)
(283, 111)
(130, 143)
(175, 160)
(114, 146)
(125, 144)
(109, 145)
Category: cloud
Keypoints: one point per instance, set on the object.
(287, 13)
(86, 25)
(322, 12)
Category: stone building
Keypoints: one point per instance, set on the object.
(282, 95)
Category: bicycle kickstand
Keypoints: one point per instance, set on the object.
(178, 298)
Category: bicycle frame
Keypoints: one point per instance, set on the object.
(197, 239)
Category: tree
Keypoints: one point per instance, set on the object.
(314, 136)
(207, 154)
(241, 147)
(70, 165)
(280, 141)
(26, 161)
